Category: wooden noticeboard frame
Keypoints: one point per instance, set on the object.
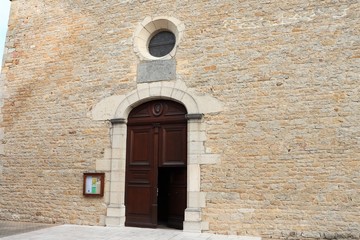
(94, 184)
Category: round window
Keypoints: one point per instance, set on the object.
(161, 43)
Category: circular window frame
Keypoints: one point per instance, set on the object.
(151, 26)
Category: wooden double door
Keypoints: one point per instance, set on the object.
(156, 173)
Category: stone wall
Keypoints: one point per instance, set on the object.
(286, 72)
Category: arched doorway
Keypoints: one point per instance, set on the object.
(156, 165)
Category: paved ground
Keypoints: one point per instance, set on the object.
(11, 228)
(31, 231)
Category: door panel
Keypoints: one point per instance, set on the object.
(137, 207)
(173, 145)
(141, 145)
(177, 198)
(137, 176)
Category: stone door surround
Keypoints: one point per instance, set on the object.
(116, 110)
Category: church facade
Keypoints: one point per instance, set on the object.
(229, 117)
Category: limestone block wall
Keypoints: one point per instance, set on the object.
(286, 72)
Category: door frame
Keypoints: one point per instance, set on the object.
(117, 109)
(195, 198)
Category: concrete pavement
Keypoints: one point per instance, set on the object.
(8, 228)
(77, 232)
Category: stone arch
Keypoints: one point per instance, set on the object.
(119, 106)
(140, 96)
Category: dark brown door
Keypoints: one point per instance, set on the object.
(156, 165)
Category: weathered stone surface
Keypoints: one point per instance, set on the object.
(286, 139)
(150, 71)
